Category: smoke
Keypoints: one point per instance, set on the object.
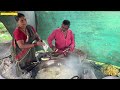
(80, 65)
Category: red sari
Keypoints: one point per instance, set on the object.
(27, 55)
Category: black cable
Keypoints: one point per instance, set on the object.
(6, 57)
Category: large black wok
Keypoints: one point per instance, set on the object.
(73, 61)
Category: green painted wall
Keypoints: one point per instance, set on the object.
(96, 32)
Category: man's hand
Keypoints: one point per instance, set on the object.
(54, 49)
(65, 52)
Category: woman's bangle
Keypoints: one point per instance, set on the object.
(35, 44)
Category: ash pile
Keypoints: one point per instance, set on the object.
(7, 68)
(5, 49)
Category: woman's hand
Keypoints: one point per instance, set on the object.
(39, 43)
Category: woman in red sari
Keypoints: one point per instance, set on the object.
(23, 46)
